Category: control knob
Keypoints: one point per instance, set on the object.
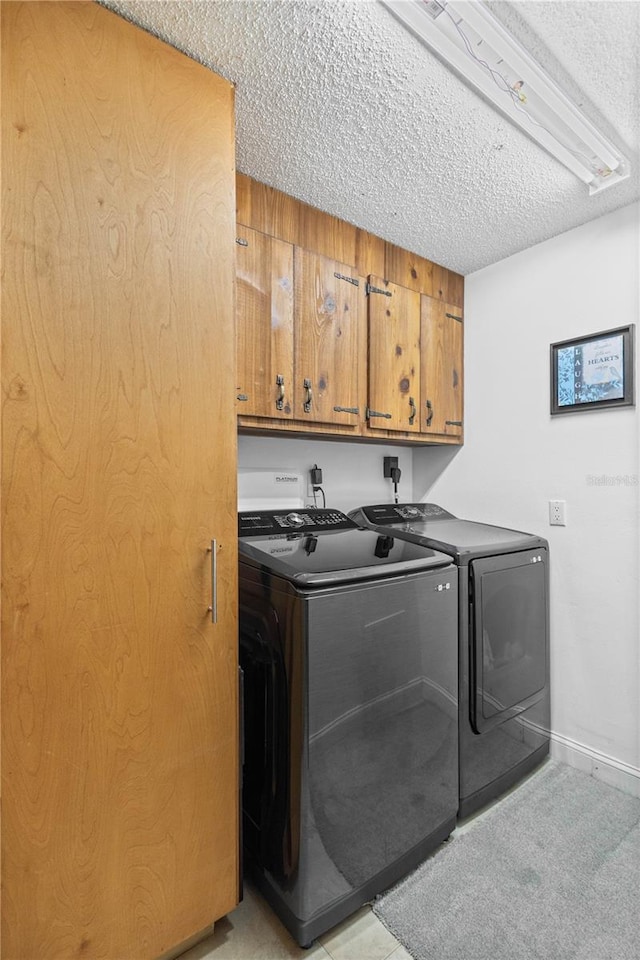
(412, 512)
(295, 519)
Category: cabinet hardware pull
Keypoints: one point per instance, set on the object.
(280, 398)
(307, 403)
(371, 289)
(355, 410)
(341, 276)
(242, 396)
(452, 316)
(241, 242)
(213, 609)
(374, 413)
(430, 413)
(412, 407)
(453, 423)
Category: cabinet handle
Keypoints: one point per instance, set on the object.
(412, 407)
(213, 609)
(430, 413)
(307, 403)
(280, 399)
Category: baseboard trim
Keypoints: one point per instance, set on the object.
(598, 765)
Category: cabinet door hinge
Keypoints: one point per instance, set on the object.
(355, 410)
(369, 414)
(452, 316)
(453, 423)
(371, 289)
(341, 276)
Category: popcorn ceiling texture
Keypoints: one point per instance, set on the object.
(337, 105)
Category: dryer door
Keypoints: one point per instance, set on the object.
(509, 635)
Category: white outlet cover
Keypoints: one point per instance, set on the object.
(558, 513)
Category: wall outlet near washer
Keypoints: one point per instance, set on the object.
(558, 513)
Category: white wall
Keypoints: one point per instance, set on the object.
(517, 457)
(351, 472)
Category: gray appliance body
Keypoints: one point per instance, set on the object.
(503, 641)
(347, 646)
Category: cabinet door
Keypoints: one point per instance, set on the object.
(442, 382)
(264, 314)
(328, 314)
(394, 357)
(119, 693)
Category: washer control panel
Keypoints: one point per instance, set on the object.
(265, 522)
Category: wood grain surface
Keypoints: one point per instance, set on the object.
(279, 215)
(442, 367)
(264, 311)
(329, 311)
(394, 357)
(119, 695)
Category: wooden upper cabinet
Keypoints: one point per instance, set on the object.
(394, 357)
(264, 312)
(363, 366)
(442, 376)
(329, 311)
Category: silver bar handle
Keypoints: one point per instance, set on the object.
(213, 609)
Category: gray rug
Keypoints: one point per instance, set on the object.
(552, 872)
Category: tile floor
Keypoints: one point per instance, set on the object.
(253, 932)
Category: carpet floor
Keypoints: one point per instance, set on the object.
(551, 872)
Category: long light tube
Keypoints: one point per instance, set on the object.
(469, 38)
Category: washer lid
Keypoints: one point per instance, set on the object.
(432, 525)
(319, 559)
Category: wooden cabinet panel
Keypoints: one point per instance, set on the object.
(408, 269)
(119, 694)
(394, 357)
(267, 210)
(442, 377)
(264, 308)
(329, 304)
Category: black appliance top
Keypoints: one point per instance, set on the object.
(431, 525)
(317, 548)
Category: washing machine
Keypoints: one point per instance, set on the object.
(350, 710)
(503, 641)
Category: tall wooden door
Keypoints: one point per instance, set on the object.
(119, 693)
(264, 314)
(329, 312)
(394, 357)
(442, 367)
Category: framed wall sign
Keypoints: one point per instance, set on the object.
(588, 373)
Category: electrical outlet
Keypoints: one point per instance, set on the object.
(389, 464)
(558, 513)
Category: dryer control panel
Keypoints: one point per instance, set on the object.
(384, 513)
(268, 522)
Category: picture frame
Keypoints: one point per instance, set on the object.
(593, 372)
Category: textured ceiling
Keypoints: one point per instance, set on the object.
(338, 105)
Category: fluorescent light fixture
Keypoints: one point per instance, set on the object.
(468, 38)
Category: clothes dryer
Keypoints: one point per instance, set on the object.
(348, 649)
(503, 640)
